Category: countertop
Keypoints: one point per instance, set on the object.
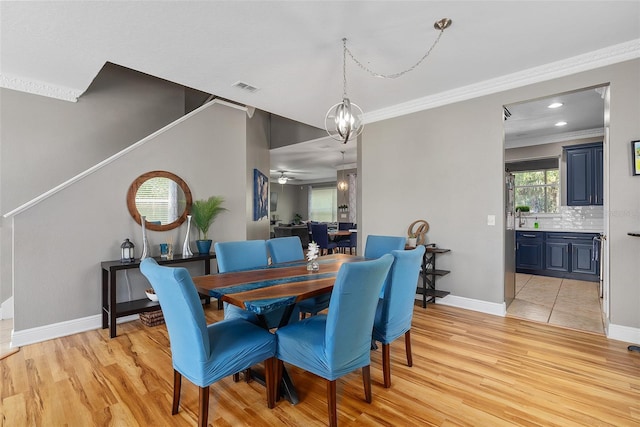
(558, 230)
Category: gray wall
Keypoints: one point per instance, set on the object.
(257, 157)
(90, 216)
(451, 175)
(47, 141)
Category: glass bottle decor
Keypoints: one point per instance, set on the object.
(145, 242)
(312, 257)
(186, 249)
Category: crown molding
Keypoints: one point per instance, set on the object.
(588, 61)
(549, 139)
(39, 88)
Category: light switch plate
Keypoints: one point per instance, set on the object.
(491, 220)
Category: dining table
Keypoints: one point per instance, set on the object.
(264, 290)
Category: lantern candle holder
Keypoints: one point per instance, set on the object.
(126, 251)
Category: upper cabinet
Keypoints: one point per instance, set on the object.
(584, 174)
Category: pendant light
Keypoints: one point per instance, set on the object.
(342, 184)
(343, 121)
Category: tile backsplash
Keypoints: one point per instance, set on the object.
(569, 218)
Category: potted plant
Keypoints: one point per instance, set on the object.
(412, 240)
(204, 212)
(297, 219)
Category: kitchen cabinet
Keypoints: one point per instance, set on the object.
(529, 250)
(584, 174)
(558, 254)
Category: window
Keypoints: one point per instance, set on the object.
(323, 204)
(538, 189)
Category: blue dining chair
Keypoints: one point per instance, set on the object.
(287, 249)
(320, 235)
(334, 344)
(206, 353)
(244, 255)
(377, 246)
(349, 242)
(395, 308)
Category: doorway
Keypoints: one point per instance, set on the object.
(539, 134)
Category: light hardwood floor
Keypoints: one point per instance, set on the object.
(470, 369)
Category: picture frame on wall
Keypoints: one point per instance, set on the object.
(635, 156)
(260, 195)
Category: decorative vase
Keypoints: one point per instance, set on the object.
(313, 265)
(186, 249)
(412, 241)
(145, 242)
(204, 246)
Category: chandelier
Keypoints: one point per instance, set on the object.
(343, 122)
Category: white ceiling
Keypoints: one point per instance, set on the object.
(292, 50)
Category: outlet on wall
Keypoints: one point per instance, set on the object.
(491, 220)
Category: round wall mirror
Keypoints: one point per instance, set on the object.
(163, 198)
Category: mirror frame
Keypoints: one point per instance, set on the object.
(133, 190)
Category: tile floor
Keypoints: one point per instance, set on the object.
(570, 303)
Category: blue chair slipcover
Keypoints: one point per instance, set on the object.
(320, 235)
(206, 353)
(285, 249)
(337, 343)
(395, 308)
(377, 246)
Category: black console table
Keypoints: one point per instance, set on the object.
(112, 310)
(429, 273)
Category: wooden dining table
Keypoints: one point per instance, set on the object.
(264, 290)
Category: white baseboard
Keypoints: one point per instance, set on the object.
(62, 329)
(6, 309)
(624, 333)
(496, 309)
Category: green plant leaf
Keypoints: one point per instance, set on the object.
(204, 212)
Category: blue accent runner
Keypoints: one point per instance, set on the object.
(219, 292)
(270, 304)
(267, 305)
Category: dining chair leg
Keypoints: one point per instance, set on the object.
(203, 411)
(366, 379)
(407, 345)
(270, 381)
(331, 402)
(279, 367)
(386, 365)
(177, 385)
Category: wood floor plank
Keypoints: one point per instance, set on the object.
(470, 369)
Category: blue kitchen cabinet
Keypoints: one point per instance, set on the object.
(556, 255)
(529, 250)
(582, 257)
(584, 174)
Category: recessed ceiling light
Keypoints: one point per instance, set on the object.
(561, 124)
(555, 105)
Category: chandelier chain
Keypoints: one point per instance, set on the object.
(386, 76)
(344, 67)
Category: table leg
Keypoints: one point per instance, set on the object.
(112, 304)
(105, 298)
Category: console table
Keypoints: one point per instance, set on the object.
(429, 273)
(112, 310)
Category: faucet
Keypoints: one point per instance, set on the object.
(521, 221)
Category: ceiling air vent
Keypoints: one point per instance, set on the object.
(245, 86)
